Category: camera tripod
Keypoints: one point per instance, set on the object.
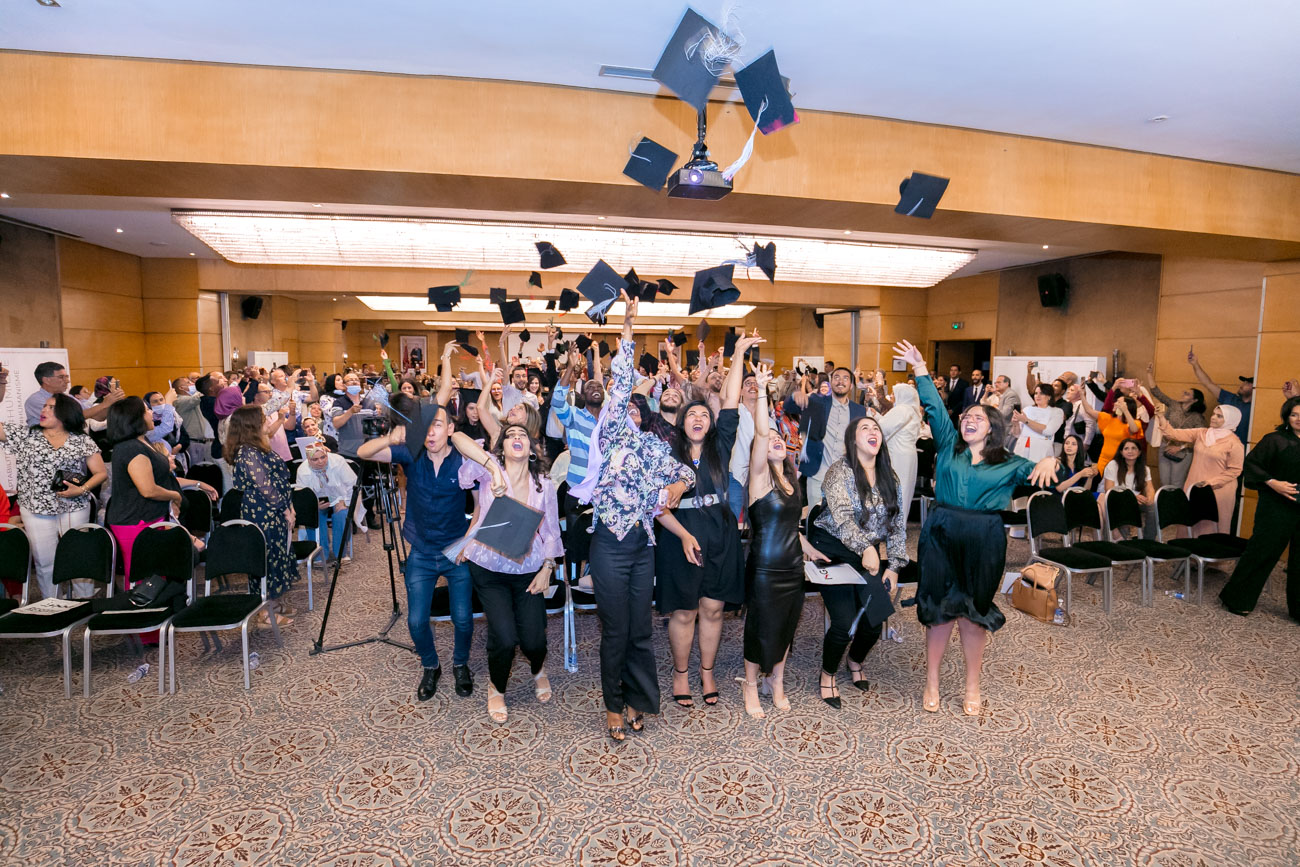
(377, 478)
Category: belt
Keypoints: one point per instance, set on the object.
(196, 440)
(706, 500)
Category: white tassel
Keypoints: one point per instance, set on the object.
(730, 171)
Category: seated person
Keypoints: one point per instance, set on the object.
(310, 427)
(332, 480)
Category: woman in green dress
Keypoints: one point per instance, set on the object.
(962, 551)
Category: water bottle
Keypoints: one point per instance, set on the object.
(137, 675)
(254, 660)
(1177, 594)
(571, 659)
(1058, 616)
(894, 635)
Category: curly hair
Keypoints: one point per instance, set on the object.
(538, 463)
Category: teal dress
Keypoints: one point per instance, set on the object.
(962, 551)
(264, 480)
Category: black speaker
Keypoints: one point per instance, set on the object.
(819, 319)
(1052, 290)
(345, 324)
(251, 307)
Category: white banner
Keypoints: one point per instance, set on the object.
(21, 364)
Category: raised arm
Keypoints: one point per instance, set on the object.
(936, 411)
(485, 417)
(393, 385)
(444, 379)
(1200, 372)
(472, 451)
(377, 449)
(736, 374)
(759, 476)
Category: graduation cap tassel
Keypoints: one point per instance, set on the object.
(718, 48)
(730, 171)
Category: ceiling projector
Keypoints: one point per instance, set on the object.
(695, 181)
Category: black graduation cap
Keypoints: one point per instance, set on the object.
(753, 355)
(765, 259)
(666, 287)
(444, 298)
(692, 357)
(511, 312)
(497, 296)
(535, 279)
(729, 342)
(509, 527)
(550, 304)
(650, 164)
(679, 337)
(919, 195)
(583, 342)
(382, 338)
(559, 332)
(878, 606)
(551, 257)
(524, 337)
(713, 287)
(649, 291)
(568, 299)
(649, 363)
(681, 67)
(601, 286)
(462, 339)
(702, 331)
(604, 349)
(561, 348)
(633, 282)
(759, 81)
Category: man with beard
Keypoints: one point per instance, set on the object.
(578, 423)
(823, 420)
(670, 401)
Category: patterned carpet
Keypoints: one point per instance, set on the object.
(1163, 737)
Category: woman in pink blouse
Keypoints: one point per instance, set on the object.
(511, 590)
(1217, 460)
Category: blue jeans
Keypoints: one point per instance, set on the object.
(736, 494)
(422, 572)
(338, 524)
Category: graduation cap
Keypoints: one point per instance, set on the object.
(666, 287)
(650, 164)
(633, 281)
(583, 342)
(765, 259)
(679, 337)
(444, 298)
(525, 336)
(919, 195)
(559, 332)
(551, 257)
(702, 331)
(508, 528)
(604, 349)
(878, 606)
(729, 342)
(649, 291)
(601, 286)
(761, 81)
(649, 363)
(382, 338)
(568, 299)
(535, 279)
(550, 304)
(497, 296)
(690, 63)
(511, 312)
(753, 355)
(692, 357)
(713, 287)
(462, 340)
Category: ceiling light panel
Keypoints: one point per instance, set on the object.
(392, 242)
(664, 309)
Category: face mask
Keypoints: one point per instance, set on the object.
(194, 389)
(354, 389)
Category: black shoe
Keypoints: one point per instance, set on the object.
(832, 697)
(464, 680)
(428, 684)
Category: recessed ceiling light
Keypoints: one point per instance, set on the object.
(334, 299)
(1160, 118)
(120, 230)
(191, 254)
(4, 195)
(317, 205)
(848, 231)
(1044, 246)
(600, 218)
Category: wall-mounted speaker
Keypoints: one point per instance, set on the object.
(1052, 290)
(345, 324)
(819, 319)
(251, 307)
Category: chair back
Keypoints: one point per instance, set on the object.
(196, 512)
(15, 556)
(1122, 509)
(1081, 512)
(86, 551)
(292, 467)
(210, 474)
(237, 547)
(1172, 508)
(1203, 503)
(925, 461)
(1046, 515)
(231, 505)
(306, 508)
(163, 549)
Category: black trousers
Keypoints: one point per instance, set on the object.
(622, 576)
(515, 618)
(843, 602)
(1276, 526)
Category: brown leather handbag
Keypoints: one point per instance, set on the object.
(1035, 591)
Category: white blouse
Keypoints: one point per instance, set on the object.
(1034, 445)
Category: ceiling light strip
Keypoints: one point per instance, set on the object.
(657, 309)
(398, 242)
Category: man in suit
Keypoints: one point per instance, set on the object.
(976, 391)
(823, 420)
(956, 390)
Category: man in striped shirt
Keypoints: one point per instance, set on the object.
(578, 423)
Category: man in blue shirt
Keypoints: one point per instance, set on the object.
(435, 517)
(578, 423)
(1241, 399)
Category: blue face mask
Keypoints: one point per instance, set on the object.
(194, 390)
(354, 389)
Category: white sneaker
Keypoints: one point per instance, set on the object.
(345, 559)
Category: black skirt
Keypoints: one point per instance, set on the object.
(962, 555)
(680, 584)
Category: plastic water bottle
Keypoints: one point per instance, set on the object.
(571, 659)
(254, 660)
(1177, 594)
(894, 635)
(138, 674)
(1058, 616)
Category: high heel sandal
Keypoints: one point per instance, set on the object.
(765, 688)
(683, 699)
(497, 714)
(972, 706)
(756, 713)
(859, 678)
(710, 698)
(636, 723)
(834, 698)
(543, 693)
(930, 701)
(616, 733)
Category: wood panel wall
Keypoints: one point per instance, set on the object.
(30, 310)
(103, 315)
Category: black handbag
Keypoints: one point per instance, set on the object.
(154, 592)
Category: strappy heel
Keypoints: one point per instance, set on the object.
(710, 698)
(834, 698)
(859, 677)
(683, 699)
(757, 711)
(543, 692)
(765, 688)
(930, 701)
(635, 722)
(497, 714)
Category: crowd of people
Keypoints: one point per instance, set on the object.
(693, 483)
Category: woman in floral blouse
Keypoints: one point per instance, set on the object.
(57, 442)
(627, 475)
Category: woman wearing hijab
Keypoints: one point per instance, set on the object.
(1217, 459)
(902, 428)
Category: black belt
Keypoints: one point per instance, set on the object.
(196, 440)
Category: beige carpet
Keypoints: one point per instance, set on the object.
(1153, 736)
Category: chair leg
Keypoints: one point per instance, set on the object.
(243, 630)
(275, 628)
(67, 663)
(216, 642)
(1187, 577)
(1069, 591)
(171, 662)
(311, 605)
(1107, 587)
(1200, 583)
(162, 658)
(85, 664)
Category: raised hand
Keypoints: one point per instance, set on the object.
(908, 353)
(762, 376)
(1044, 473)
